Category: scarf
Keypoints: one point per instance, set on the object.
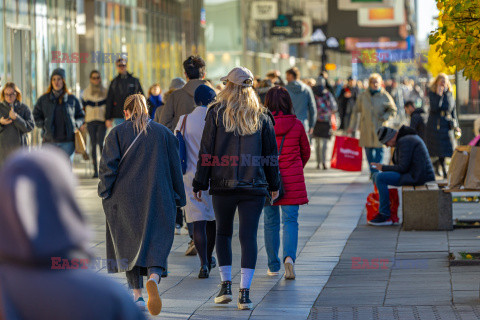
(156, 100)
(57, 93)
(372, 92)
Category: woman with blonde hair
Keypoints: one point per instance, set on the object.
(154, 100)
(376, 107)
(15, 121)
(141, 186)
(238, 164)
(442, 120)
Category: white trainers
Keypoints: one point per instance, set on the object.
(272, 273)
(289, 269)
(154, 303)
(140, 304)
(178, 229)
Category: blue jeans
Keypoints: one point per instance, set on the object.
(374, 155)
(272, 233)
(382, 180)
(68, 147)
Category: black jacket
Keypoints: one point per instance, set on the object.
(120, 88)
(44, 115)
(231, 163)
(411, 159)
(418, 122)
(14, 135)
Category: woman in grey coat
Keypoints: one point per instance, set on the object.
(15, 121)
(44, 247)
(141, 185)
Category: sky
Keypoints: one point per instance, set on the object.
(427, 10)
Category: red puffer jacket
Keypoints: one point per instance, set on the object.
(295, 154)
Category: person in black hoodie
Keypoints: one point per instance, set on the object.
(417, 118)
(120, 88)
(411, 167)
(238, 160)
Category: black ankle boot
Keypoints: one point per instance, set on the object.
(225, 294)
(244, 302)
(204, 272)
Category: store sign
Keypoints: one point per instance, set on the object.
(354, 44)
(361, 4)
(382, 17)
(307, 27)
(286, 26)
(264, 10)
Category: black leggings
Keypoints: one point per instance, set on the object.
(96, 131)
(249, 211)
(204, 239)
(135, 278)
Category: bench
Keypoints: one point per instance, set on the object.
(427, 208)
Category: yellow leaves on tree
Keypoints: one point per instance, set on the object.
(457, 39)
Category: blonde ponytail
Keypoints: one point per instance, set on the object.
(137, 105)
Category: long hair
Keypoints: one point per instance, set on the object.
(12, 86)
(137, 105)
(242, 109)
(65, 88)
(434, 85)
(278, 100)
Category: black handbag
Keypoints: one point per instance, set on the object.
(281, 190)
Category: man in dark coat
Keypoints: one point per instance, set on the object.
(412, 167)
(141, 184)
(417, 118)
(44, 247)
(121, 87)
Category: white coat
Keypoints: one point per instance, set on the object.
(195, 210)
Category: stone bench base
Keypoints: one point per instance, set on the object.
(426, 208)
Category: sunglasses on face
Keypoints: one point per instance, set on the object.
(95, 78)
(10, 94)
(121, 65)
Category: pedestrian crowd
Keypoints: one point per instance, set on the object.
(198, 153)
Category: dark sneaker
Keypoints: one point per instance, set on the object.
(244, 302)
(225, 294)
(165, 273)
(381, 220)
(213, 263)
(191, 250)
(204, 272)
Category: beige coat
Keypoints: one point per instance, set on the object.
(179, 102)
(374, 112)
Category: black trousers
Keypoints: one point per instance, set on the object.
(249, 210)
(135, 277)
(96, 131)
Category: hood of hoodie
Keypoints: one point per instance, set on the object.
(284, 123)
(192, 85)
(296, 86)
(419, 111)
(39, 217)
(405, 131)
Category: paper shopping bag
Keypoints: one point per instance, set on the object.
(472, 178)
(458, 167)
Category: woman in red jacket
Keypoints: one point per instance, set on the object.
(293, 156)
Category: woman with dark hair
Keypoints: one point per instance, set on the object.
(141, 186)
(294, 152)
(237, 129)
(94, 100)
(59, 113)
(15, 120)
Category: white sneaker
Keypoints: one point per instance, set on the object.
(289, 269)
(140, 304)
(178, 229)
(272, 273)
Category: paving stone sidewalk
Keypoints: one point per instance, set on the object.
(414, 281)
(336, 203)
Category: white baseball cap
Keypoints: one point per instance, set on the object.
(240, 76)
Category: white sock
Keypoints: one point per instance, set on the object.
(247, 276)
(225, 273)
(289, 260)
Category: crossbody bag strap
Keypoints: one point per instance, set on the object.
(131, 145)
(183, 127)
(281, 145)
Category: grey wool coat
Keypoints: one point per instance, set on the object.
(140, 195)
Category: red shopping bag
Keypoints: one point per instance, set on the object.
(347, 155)
(373, 204)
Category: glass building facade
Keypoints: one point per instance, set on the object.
(156, 35)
